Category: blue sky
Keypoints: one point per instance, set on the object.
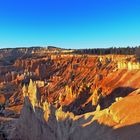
(69, 23)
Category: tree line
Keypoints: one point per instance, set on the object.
(112, 50)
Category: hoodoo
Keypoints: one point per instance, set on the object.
(69, 96)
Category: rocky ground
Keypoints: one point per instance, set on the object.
(68, 97)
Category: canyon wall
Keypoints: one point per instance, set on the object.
(72, 97)
(129, 65)
(44, 121)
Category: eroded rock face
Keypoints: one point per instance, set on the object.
(70, 97)
(2, 99)
(43, 121)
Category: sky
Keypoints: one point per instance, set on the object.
(69, 23)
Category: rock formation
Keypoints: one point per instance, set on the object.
(68, 96)
(46, 122)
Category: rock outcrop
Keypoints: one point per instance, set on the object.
(46, 122)
(70, 96)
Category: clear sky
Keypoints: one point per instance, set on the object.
(69, 23)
